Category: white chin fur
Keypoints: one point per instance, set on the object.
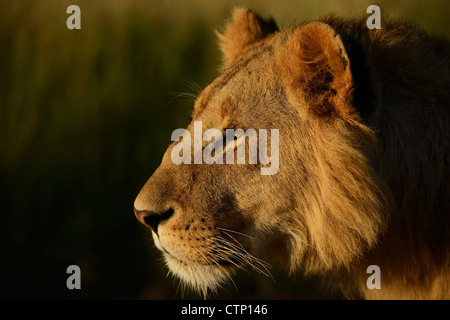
(201, 278)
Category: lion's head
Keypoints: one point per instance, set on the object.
(321, 209)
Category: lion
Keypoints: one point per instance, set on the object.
(364, 151)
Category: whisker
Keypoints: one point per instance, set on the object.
(224, 252)
(227, 258)
(260, 261)
(193, 85)
(239, 233)
(225, 273)
(182, 97)
(243, 255)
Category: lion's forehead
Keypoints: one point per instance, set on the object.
(243, 82)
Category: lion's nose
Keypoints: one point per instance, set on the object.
(152, 219)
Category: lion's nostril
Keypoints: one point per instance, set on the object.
(152, 219)
(166, 215)
(148, 218)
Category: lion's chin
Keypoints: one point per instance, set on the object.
(202, 278)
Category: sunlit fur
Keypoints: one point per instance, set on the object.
(364, 126)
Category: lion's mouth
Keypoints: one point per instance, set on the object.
(219, 256)
(233, 261)
(211, 267)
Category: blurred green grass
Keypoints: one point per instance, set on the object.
(85, 117)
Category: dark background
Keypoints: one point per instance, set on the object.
(85, 117)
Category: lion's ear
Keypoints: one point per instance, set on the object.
(316, 69)
(244, 28)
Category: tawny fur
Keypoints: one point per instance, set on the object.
(364, 179)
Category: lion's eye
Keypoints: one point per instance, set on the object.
(236, 133)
